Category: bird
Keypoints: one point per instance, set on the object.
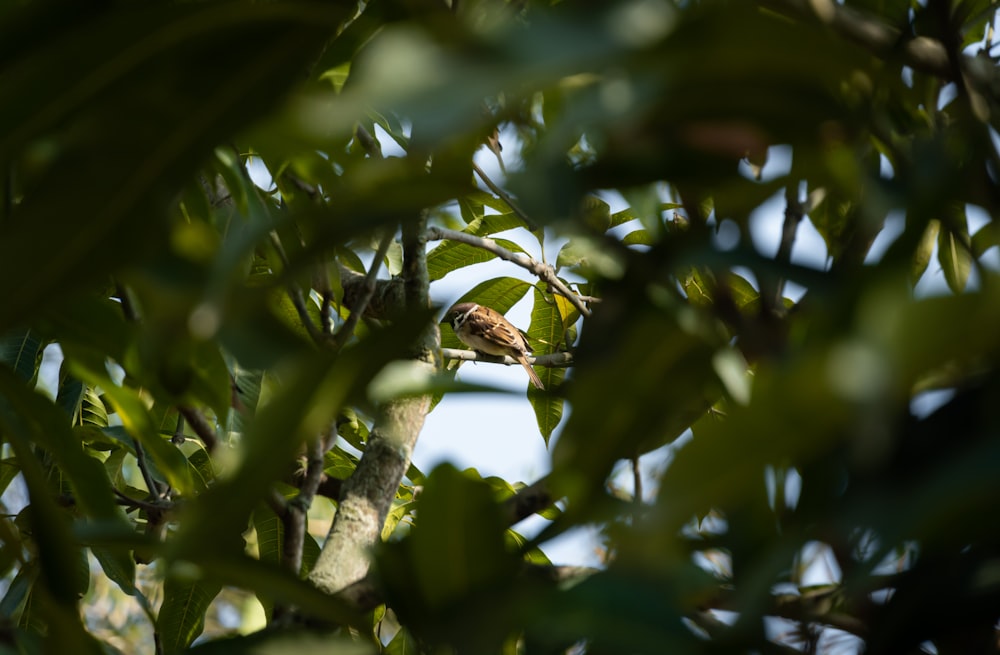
(487, 331)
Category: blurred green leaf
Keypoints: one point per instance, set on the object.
(119, 67)
(954, 255)
(922, 255)
(301, 642)
(182, 613)
(21, 350)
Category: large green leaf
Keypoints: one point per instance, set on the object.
(455, 553)
(35, 419)
(182, 614)
(21, 350)
(954, 253)
(452, 255)
(547, 334)
(137, 96)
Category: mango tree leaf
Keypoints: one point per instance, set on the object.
(546, 333)
(925, 248)
(21, 350)
(451, 256)
(954, 255)
(182, 614)
(121, 64)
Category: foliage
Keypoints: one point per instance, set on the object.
(193, 192)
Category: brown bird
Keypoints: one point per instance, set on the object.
(487, 331)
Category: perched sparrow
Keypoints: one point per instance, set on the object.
(487, 331)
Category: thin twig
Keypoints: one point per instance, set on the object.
(506, 197)
(326, 302)
(128, 307)
(368, 142)
(277, 503)
(636, 480)
(527, 501)
(367, 291)
(128, 501)
(544, 271)
(297, 297)
(151, 484)
(201, 427)
(793, 217)
(552, 360)
(298, 508)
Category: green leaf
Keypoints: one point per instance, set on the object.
(954, 255)
(924, 250)
(8, 471)
(92, 409)
(454, 554)
(21, 350)
(182, 613)
(37, 420)
(118, 566)
(403, 643)
(452, 255)
(70, 396)
(546, 334)
(638, 237)
(285, 641)
(120, 66)
(985, 238)
(138, 423)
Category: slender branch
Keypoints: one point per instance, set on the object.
(295, 517)
(503, 195)
(552, 360)
(371, 146)
(636, 480)
(277, 503)
(152, 485)
(367, 142)
(527, 501)
(544, 271)
(128, 501)
(794, 214)
(201, 427)
(367, 291)
(298, 509)
(297, 297)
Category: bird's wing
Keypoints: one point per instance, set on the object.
(492, 325)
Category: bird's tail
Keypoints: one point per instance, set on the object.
(535, 380)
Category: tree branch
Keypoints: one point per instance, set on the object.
(201, 427)
(503, 195)
(543, 271)
(298, 298)
(527, 501)
(367, 291)
(552, 360)
(368, 493)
